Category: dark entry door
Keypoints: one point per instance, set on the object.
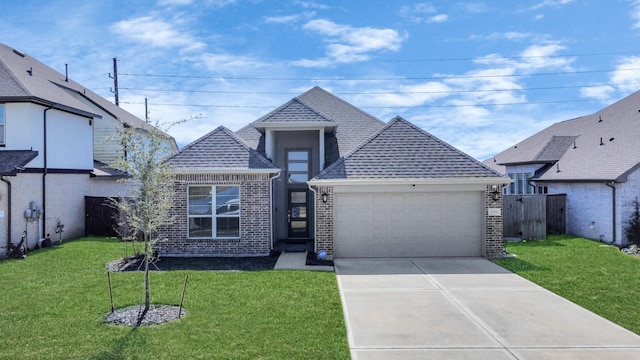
(298, 213)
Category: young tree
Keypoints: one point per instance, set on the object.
(150, 190)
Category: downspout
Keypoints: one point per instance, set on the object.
(9, 210)
(44, 175)
(613, 204)
(315, 218)
(271, 205)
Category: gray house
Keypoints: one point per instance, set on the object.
(319, 169)
(593, 159)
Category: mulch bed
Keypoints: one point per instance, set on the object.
(253, 263)
(157, 314)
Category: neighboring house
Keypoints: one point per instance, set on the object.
(592, 159)
(56, 141)
(319, 169)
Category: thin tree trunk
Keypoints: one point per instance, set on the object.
(146, 273)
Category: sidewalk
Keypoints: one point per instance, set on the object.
(296, 261)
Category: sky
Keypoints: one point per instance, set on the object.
(480, 75)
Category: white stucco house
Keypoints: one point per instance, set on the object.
(55, 147)
(593, 159)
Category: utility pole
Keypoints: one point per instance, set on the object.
(146, 110)
(115, 81)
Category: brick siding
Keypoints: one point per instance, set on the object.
(494, 246)
(255, 218)
(324, 219)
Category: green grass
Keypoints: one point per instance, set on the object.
(593, 275)
(53, 304)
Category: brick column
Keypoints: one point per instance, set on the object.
(324, 220)
(494, 246)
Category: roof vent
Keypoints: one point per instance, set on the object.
(611, 139)
(30, 71)
(599, 118)
(21, 54)
(574, 145)
(601, 143)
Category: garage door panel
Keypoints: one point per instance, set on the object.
(408, 224)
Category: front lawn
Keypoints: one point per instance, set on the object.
(593, 275)
(52, 306)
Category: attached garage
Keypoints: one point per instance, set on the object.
(408, 224)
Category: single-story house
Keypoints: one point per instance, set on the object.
(320, 169)
(593, 159)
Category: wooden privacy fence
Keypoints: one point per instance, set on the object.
(533, 216)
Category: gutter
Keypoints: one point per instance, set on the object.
(613, 204)
(44, 175)
(271, 205)
(9, 211)
(315, 218)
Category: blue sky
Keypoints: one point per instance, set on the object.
(481, 75)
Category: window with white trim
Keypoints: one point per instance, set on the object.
(2, 126)
(520, 184)
(213, 211)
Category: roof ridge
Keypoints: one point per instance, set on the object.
(341, 100)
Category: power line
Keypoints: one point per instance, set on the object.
(442, 77)
(375, 107)
(383, 92)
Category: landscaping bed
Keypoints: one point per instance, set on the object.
(253, 263)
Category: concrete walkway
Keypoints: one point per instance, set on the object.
(467, 308)
(297, 261)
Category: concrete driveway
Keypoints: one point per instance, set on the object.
(467, 308)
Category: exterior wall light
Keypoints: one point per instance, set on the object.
(325, 197)
(495, 194)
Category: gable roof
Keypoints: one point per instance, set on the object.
(220, 150)
(602, 146)
(294, 111)
(12, 160)
(25, 79)
(352, 125)
(401, 150)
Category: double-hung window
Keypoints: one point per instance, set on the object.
(214, 211)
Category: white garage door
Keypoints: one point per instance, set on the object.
(408, 224)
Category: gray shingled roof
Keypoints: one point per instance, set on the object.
(10, 160)
(353, 125)
(401, 150)
(23, 78)
(292, 111)
(606, 146)
(222, 150)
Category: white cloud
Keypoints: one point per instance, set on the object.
(288, 19)
(422, 13)
(234, 64)
(626, 76)
(174, 2)
(473, 7)
(440, 18)
(510, 35)
(156, 33)
(311, 5)
(349, 44)
(635, 14)
(600, 92)
(550, 3)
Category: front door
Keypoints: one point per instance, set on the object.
(298, 213)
